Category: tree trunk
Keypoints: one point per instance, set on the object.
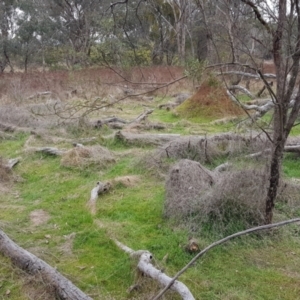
(274, 180)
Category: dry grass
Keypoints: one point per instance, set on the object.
(85, 156)
(186, 182)
(237, 197)
(127, 181)
(196, 196)
(203, 149)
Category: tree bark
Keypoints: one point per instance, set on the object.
(61, 286)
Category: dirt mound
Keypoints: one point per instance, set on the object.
(187, 180)
(85, 156)
(211, 100)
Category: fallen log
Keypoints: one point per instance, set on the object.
(12, 128)
(168, 105)
(142, 116)
(100, 188)
(62, 287)
(110, 121)
(145, 266)
(145, 138)
(46, 150)
(245, 74)
(117, 123)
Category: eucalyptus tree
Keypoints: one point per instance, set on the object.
(7, 14)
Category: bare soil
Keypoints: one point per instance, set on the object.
(39, 217)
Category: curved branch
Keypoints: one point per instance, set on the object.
(222, 241)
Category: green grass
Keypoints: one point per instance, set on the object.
(252, 267)
(291, 165)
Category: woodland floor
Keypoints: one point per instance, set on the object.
(43, 201)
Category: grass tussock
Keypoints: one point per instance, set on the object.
(86, 156)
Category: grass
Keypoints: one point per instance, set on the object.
(251, 267)
(291, 165)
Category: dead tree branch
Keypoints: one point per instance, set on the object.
(62, 287)
(241, 88)
(100, 188)
(145, 266)
(219, 242)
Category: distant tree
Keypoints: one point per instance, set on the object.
(7, 10)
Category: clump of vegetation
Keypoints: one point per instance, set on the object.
(85, 156)
(186, 182)
(225, 202)
(235, 202)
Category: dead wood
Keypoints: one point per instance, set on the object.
(145, 266)
(180, 98)
(56, 140)
(245, 74)
(223, 167)
(145, 138)
(110, 122)
(203, 148)
(219, 242)
(40, 95)
(117, 123)
(287, 148)
(168, 105)
(148, 126)
(12, 162)
(241, 88)
(142, 116)
(6, 136)
(12, 128)
(62, 287)
(100, 188)
(258, 102)
(50, 150)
